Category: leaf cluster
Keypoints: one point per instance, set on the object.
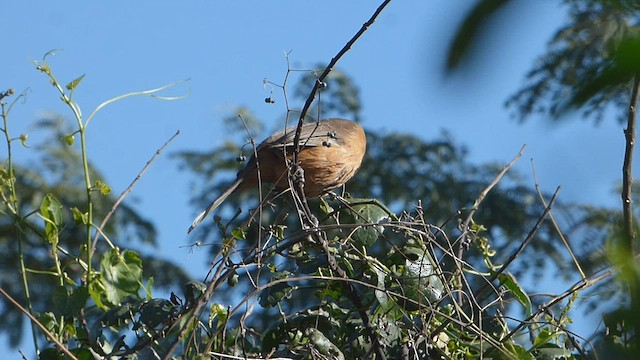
(49, 209)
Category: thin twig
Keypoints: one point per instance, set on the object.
(464, 244)
(129, 189)
(555, 224)
(38, 324)
(627, 176)
(580, 285)
(627, 199)
(327, 70)
(526, 241)
(485, 192)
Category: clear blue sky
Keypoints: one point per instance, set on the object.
(228, 48)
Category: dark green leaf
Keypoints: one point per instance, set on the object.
(69, 303)
(623, 66)
(156, 312)
(49, 321)
(366, 211)
(472, 25)
(193, 290)
(274, 294)
(51, 354)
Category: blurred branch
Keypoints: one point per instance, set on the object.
(468, 32)
(627, 178)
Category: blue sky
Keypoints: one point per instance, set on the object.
(226, 49)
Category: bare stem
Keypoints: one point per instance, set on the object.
(627, 178)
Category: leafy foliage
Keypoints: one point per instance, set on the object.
(591, 64)
(418, 265)
(43, 238)
(405, 264)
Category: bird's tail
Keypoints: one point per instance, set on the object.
(215, 203)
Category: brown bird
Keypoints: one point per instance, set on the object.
(330, 154)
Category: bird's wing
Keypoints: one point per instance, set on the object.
(311, 134)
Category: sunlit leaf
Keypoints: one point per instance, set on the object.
(121, 275)
(102, 187)
(239, 233)
(74, 83)
(319, 341)
(509, 281)
(79, 217)
(421, 284)
(51, 211)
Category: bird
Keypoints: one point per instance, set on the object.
(331, 152)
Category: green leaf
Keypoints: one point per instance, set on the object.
(97, 293)
(121, 275)
(319, 341)
(522, 353)
(193, 290)
(75, 82)
(156, 312)
(233, 279)
(325, 207)
(79, 217)
(218, 312)
(365, 211)
(148, 288)
(51, 354)
(239, 233)
(622, 67)
(49, 321)
(509, 281)
(51, 211)
(543, 337)
(554, 352)
(421, 284)
(69, 303)
(272, 295)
